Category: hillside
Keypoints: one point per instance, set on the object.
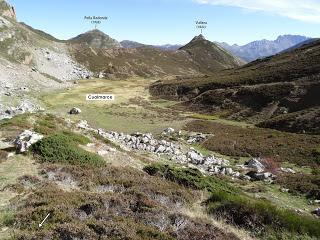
(193, 145)
(258, 91)
(209, 56)
(264, 48)
(198, 57)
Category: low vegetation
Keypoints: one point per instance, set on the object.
(18, 122)
(257, 142)
(62, 148)
(111, 203)
(306, 184)
(47, 124)
(257, 215)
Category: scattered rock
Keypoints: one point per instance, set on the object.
(25, 140)
(83, 124)
(101, 75)
(196, 138)
(168, 131)
(25, 107)
(284, 190)
(102, 152)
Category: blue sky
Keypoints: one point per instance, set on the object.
(173, 21)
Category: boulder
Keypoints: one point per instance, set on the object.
(25, 140)
(317, 212)
(75, 111)
(256, 165)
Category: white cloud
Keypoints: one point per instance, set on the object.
(303, 10)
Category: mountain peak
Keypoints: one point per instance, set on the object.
(96, 39)
(198, 38)
(95, 31)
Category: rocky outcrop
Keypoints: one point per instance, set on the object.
(7, 11)
(25, 140)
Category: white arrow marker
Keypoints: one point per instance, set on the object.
(40, 225)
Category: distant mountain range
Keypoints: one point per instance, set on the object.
(264, 48)
(133, 44)
(249, 52)
(129, 58)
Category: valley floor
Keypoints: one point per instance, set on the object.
(87, 191)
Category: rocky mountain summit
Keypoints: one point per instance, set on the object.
(96, 39)
(264, 48)
(7, 11)
(210, 56)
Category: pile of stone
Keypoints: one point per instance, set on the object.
(25, 140)
(175, 152)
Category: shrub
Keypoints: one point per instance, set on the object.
(188, 177)
(62, 148)
(46, 124)
(300, 183)
(256, 215)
